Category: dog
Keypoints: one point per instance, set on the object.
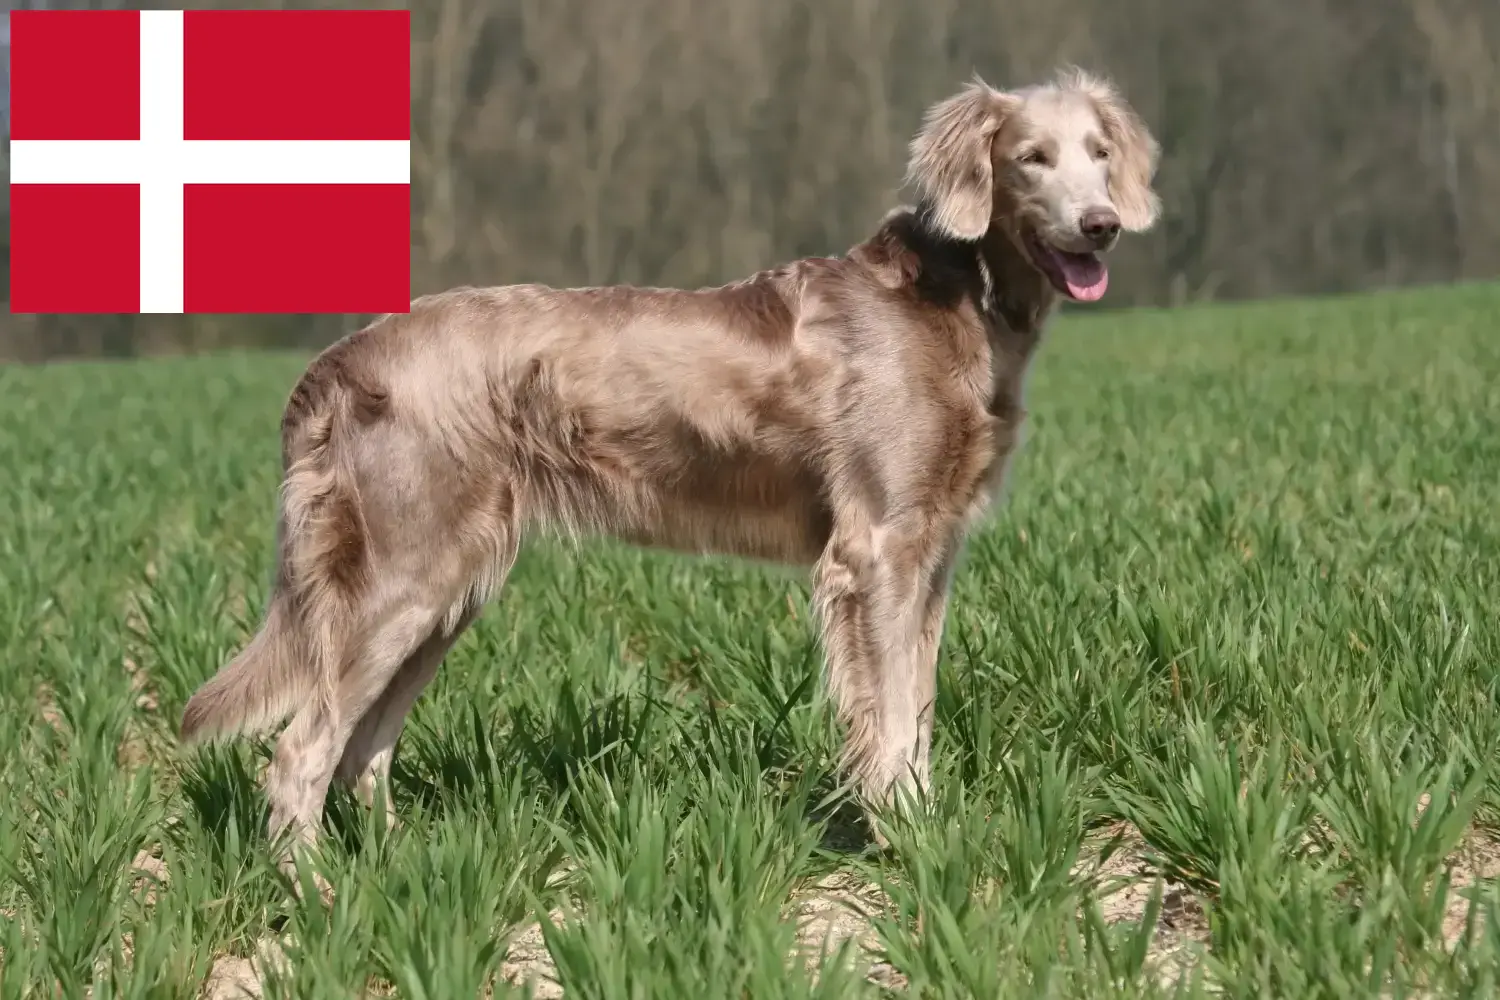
(853, 415)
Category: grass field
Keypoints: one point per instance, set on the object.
(1218, 708)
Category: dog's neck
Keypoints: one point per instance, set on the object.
(1010, 299)
(992, 273)
(1019, 296)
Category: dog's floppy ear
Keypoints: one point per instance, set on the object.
(950, 159)
(1136, 151)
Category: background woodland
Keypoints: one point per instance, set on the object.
(1309, 146)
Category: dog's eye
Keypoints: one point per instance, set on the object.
(1102, 153)
(1035, 157)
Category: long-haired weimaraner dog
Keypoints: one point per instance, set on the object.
(851, 414)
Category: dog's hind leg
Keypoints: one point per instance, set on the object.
(310, 748)
(494, 537)
(366, 763)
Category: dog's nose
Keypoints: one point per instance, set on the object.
(1100, 224)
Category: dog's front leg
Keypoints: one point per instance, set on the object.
(934, 614)
(873, 594)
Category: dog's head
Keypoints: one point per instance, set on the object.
(1059, 168)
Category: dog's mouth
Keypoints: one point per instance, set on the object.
(1082, 277)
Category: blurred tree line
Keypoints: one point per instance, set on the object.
(1309, 146)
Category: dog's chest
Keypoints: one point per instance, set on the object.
(999, 404)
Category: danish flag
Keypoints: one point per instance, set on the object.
(210, 161)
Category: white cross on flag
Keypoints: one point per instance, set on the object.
(223, 161)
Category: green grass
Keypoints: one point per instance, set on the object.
(1241, 606)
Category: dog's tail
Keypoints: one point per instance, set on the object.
(256, 689)
(323, 556)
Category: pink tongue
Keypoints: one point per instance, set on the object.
(1085, 275)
